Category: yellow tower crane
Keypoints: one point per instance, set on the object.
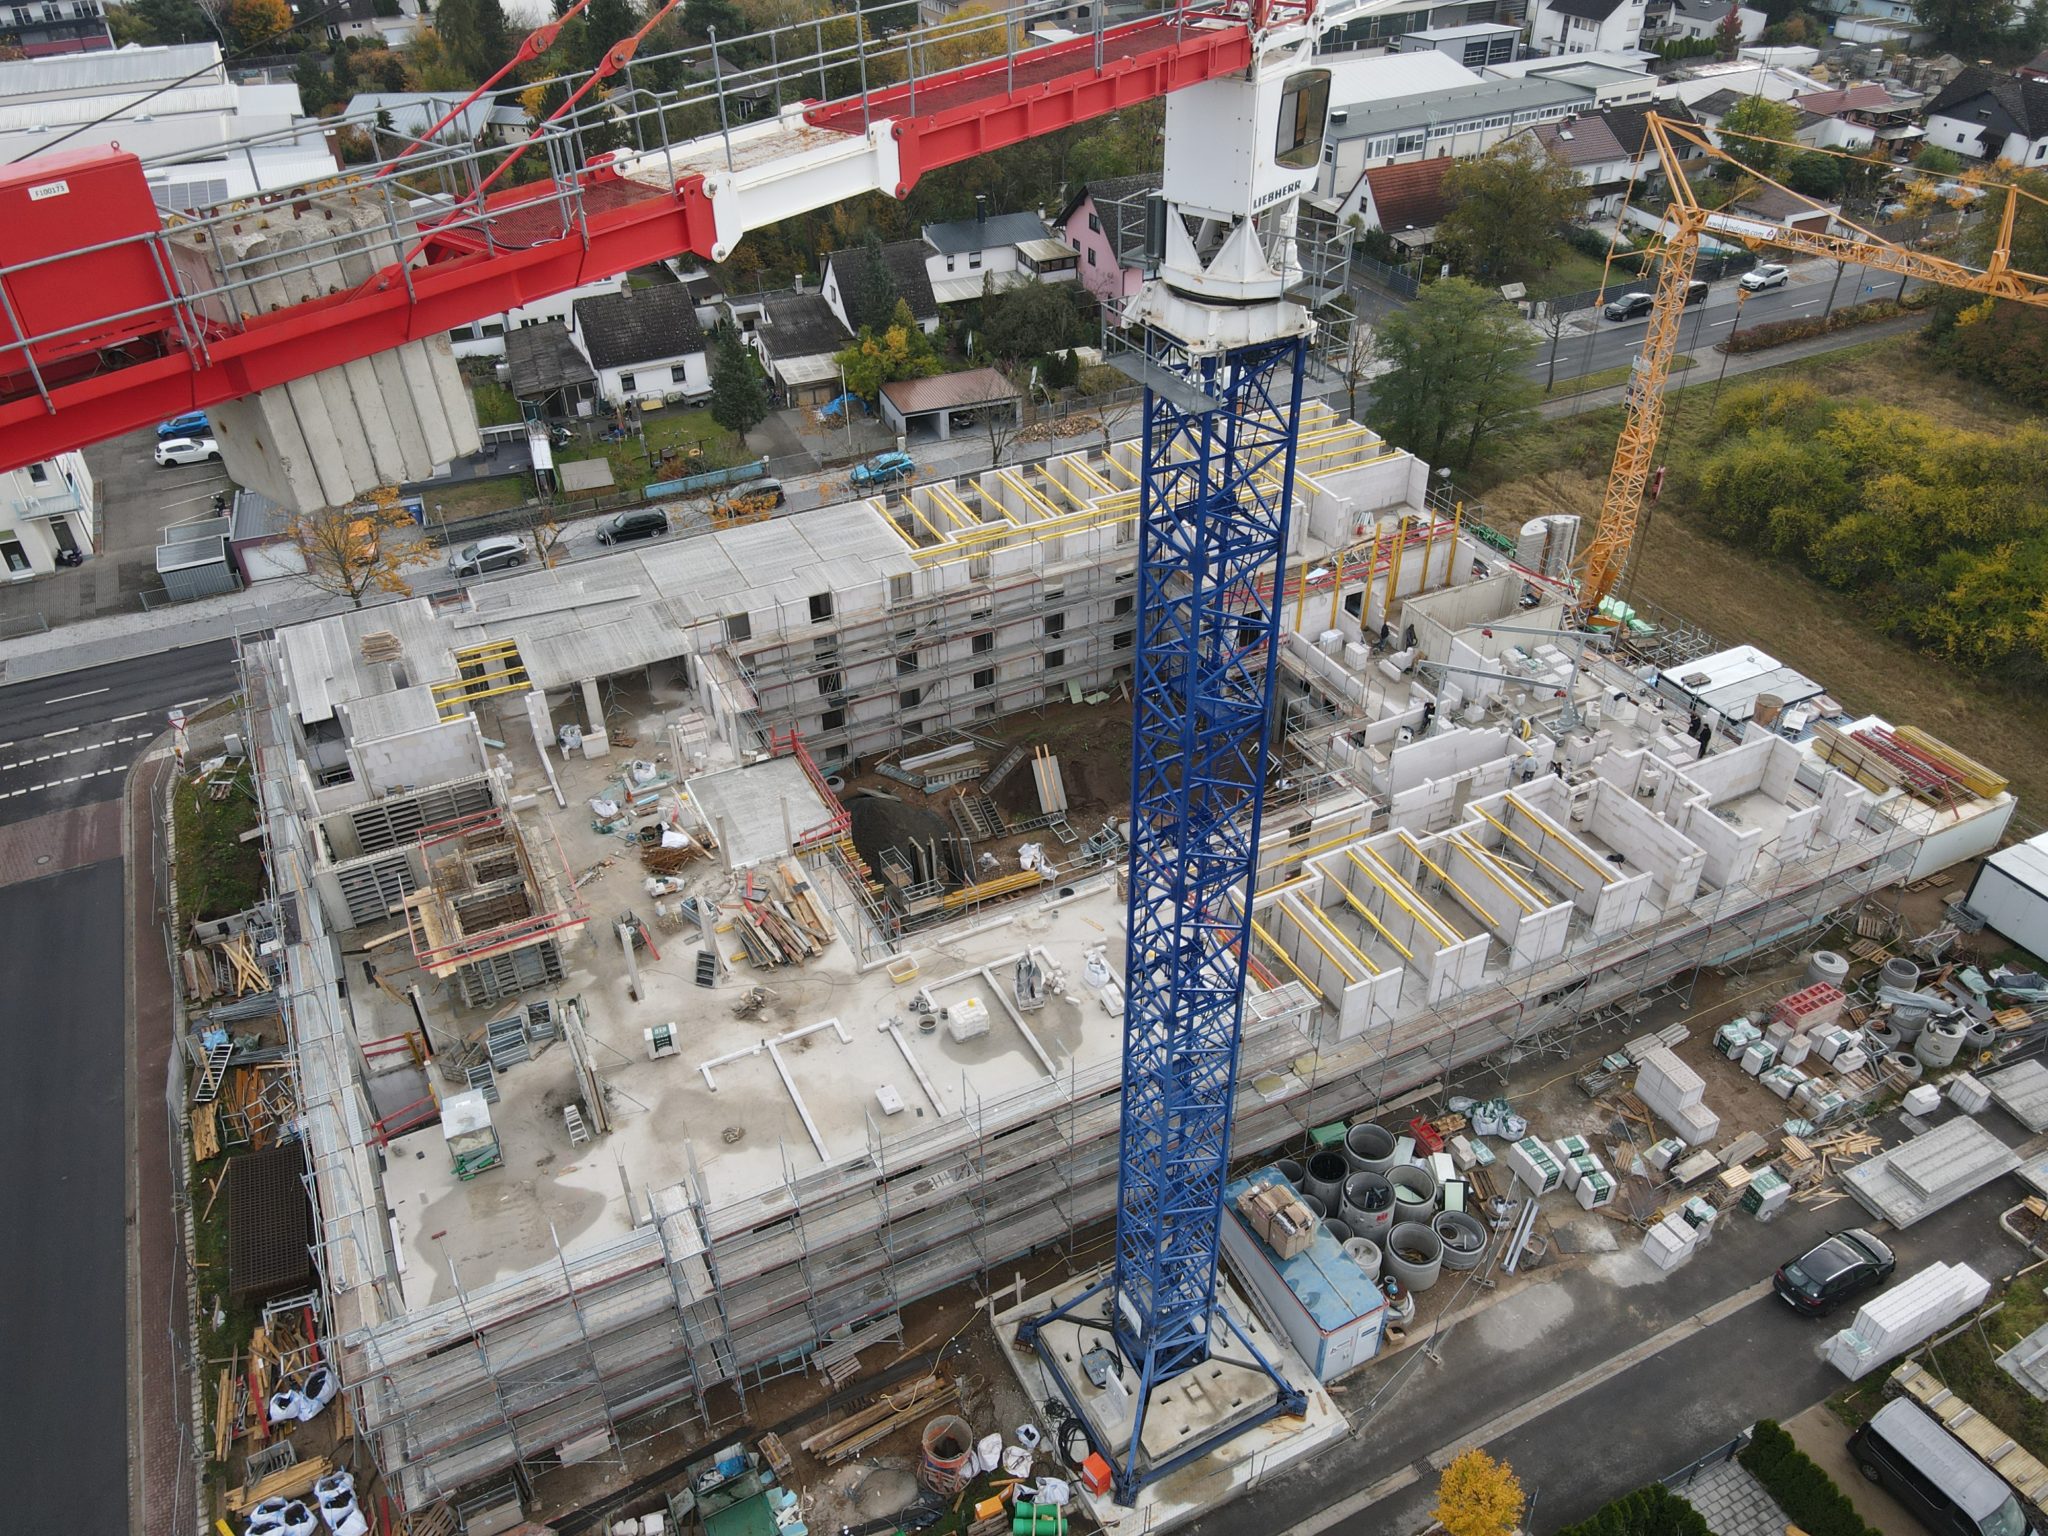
(1607, 556)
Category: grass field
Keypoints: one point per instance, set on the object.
(676, 428)
(1561, 466)
(217, 873)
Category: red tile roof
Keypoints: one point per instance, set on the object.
(1855, 98)
(1409, 196)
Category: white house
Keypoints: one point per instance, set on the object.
(968, 257)
(45, 508)
(846, 295)
(1585, 26)
(644, 343)
(1699, 19)
(486, 337)
(1985, 115)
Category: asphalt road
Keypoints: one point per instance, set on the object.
(69, 740)
(63, 1280)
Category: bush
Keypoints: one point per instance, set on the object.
(1806, 1493)
(1775, 333)
(1651, 1511)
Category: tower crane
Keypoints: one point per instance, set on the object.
(114, 319)
(1607, 556)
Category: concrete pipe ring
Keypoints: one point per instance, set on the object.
(1369, 1148)
(1415, 1254)
(1463, 1237)
(1365, 1253)
(1324, 1177)
(1414, 1192)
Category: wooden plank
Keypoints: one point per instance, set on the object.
(287, 1482)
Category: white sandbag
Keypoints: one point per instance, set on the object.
(333, 1483)
(317, 1391)
(629, 1527)
(655, 1524)
(672, 838)
(1016, 1462)
(604, 809)
(1029, 1437)
(271, 1509)
(354, 1525)
(298, 1520)
(1051, 1490)
(988, 1453)
(287, 1405)
(339, 1511)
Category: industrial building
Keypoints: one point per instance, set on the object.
(698, 1171)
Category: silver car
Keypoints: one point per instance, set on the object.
(497, 553)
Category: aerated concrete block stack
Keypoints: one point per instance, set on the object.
(1671, 1242)
(1809, 1008)
(1673, 1092)
(1907, 1314)
(1968, 1095)
(1534, 1164)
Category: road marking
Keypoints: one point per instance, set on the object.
(59, 783)
(1526, 1413)
(97, 746)
(191, 703)
(124, 719)
(67, 698)
(68, 730)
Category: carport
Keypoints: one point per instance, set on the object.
(926, 408)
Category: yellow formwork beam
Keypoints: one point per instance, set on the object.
(1570, 846)
(1419, 908)
(1527, 847)
(1497, 868)
(1288, 960)
(1367, 913)
(1356, 953)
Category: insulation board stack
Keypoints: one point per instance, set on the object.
(1782, 1080)
(1533, 1163)
(1663, 1154)
(1767, 1193)
(1794, 1051)
(1671, 1242)
(1595, 1188)
(1576, 1168)
(1968, 1095)
(1568, 1147)
(1673, 1091)
(1809, 1008)
(1922, 1099)
(1830, 1038)
(1759, 1057)
(1909, 1313)
(1735, 1037)
(1851, 1057)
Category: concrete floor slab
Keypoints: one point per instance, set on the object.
(2022, 1092)
(758, 810)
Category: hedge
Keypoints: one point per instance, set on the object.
(1651, 1511)
(1806, 1493)
(1775, 333)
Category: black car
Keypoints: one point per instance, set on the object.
(1633, 306)
(648, 523)
(1828, 1274)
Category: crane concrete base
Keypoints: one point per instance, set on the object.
(1213, 1410)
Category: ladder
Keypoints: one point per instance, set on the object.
(484, 1077)
(1002, 769)
(572, 1117)
(215, 1070)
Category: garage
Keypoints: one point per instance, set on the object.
(2011, 894)
(920, 410)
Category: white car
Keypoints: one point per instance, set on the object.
(187, 450)
(1770, 275)
(499, 552)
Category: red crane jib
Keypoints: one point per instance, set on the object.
(91, 297)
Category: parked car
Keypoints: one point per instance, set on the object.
(1630, 306)
(1830, 1272)
(1912, 1455)
(191, 424)
(499, 552)
(884, 468)
(647, 523)
(1696, 293)
(186, 450)
(1770, 275)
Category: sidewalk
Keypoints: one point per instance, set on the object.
(1826, 1439)
(1706, 365)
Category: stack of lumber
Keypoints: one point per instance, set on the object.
(200, 976)
(1810, 1161)
(910, 1404)
(205, 1132)
(287, 1483)
(658, 860)
(241, 957)
(779, 918)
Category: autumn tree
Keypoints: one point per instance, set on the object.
(354, 551)
(250, 22)
(1478, 1496)
(739, 403)
(475, 36)
(1744, 129)
(967, 36)
(1728, 36)
(899, 351)
(1506, 208)
(1110, 395)
(1457, 373)
(1031, 319)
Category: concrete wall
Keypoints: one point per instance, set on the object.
(1656, 849)
(688, 375)
(450, 750)
(1533, 930)
(1448, 964)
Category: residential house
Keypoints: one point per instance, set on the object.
(1613, 79)
(1807, 127)
(392, 24)
(1407, 201)
(46, 508)
(1610, 152)
(797, 337)
(486, 337)
(1697, 20)
(1585, 26)
(2036, 68)
(1104, 223)
(1460, 122)
(1376, 23)
(1987, 115)
(545, 368)
(1775, 206)
(1857, 116)
(969, 257)
(845, 293)
(1474, 45)
(645, 344)
(77, 26)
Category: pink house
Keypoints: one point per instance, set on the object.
(1105, 223)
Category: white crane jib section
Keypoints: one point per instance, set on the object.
(1240, 153)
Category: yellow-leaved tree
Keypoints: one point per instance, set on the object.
(353, 551)
(1478, 1496)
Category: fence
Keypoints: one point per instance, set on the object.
(1401, 284)
(1727, 1451)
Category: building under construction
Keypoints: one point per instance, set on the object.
(597, 831)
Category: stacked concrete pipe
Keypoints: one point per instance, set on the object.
(1415, 1254)
(1369, 1148)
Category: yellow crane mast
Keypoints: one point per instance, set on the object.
(1606, 557)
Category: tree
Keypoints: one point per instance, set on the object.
(1750, 120)
(250, 22)
(1353, 353)
(872, 286)
(344, 72)
(1967, 27)
(1456, 361)
(1729, 33)
(353, 551)
(1815, 175)
(1031, 319)
(1937, 161)
(899, 351)
(1002, 421)
(316, 89)
(1506, 207)
(1111, 396)
(738, 401)
(160, 22)
(605, 23)
(475, 36)
(1478, 1496)
(967, 36)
